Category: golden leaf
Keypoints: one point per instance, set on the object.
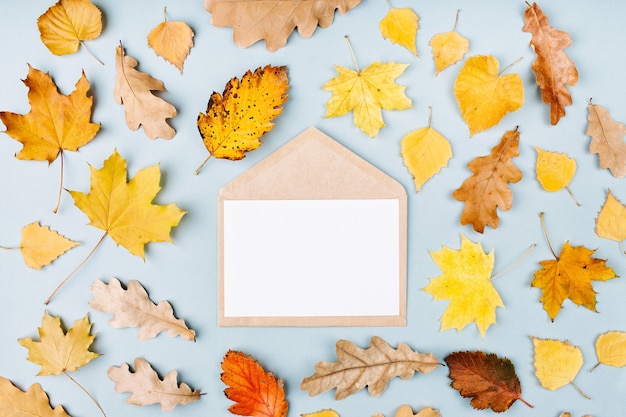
(172, 41)
(556, 363)
(373, 367)
(611, 349)
(322, 413)
(607, 140)
(400, 26)
(134, 90)
(40, 245)
(554, 170)
(448, 48)
(366, 93)
(32, 402)
(466, 283)
(611, 220)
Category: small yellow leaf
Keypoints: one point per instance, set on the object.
(33, 402)
(172, 41)
(556, 363)
(448, 48)
(400, 26)
(554, 170)
(40, 245)
(611, 349)
(322, 413)
(611, 220)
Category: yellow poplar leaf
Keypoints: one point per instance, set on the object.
(30, 403)
(322, 413)
(64, 26)
(554, 170)
(611, 349)
(172, 41)
(611, 220)
(448, 48)
(366, 93)
(556, 363)
(40, 245)
(400, 26)
(58, 351)
(483, 95)
(466, 283)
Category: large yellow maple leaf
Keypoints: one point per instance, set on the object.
(466, 283)
(366, 93)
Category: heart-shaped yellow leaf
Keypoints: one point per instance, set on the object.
(400, 26)
(172, 41)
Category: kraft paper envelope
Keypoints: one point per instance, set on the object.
(312, 235)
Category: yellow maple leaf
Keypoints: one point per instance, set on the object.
(32, 402)
(366, 93)
(611, 349)
(172, 41)
(40, 245)
(64, 26)
(483, 95)
(557, 363)
(448, 48)
(555, 171)
(400, 26)
(611, 220)
(466, 282)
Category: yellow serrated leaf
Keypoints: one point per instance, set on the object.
(172, 41)
(448, 48)
(554, 170)
(400, 26)
(611, 349)
(322, 413)
(611, 220)
(556, 363)
(40, 245)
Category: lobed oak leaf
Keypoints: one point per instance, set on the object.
(255, 391)
(607, 140)
(557, 363)
(400, 26)
(611, 220)
(448, 48)
(483, 95)
(554, 70)
(147, 388)
(487, 189)
(41, 245)
(32, 402)
(172, 41)
(134, 89)
(274, 20)
(132, 307)
(407, 411)
(366, 93)
(373, 367)
(611, 349)
(490, 381)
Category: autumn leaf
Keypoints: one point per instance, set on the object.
(557, 363)
(400, 26)
(32, 402)
(487, 189)
(255, 391)
(607, 140)
(322, 413)
(425, 152)
(67, 24)
(147, 388)
(407, 411)
(483, 95)
(236, 120)
(490, 381)
(55, 123)
(373, 367)
(172, 41)
(611, 220)
(554, 70)
(555, 171)
(133, 308)
(611, 349)
(448, 48)
(134, 89)
(274, 20)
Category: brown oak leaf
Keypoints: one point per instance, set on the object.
(607, 140)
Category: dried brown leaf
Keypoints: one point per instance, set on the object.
(607, 140)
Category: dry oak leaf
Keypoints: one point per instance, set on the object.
(132, 307)
(33, 402)
(407, 411)
(466, 282)
(134, 89)
(373, 367)
(611, 349)
(64, 26)
(448, 48)
(490, 381)
(41, 245)
(322, 413)
(59, 351)
(172, 41)
(147, 388)
(236, 120)
(483, 95)
(554, 70)
(555, 171)
(400, 26)
(255, 391)
(487, 189)
(366, 93)
(557, 363)
(611, 220)
(607, 140)
(274, 20)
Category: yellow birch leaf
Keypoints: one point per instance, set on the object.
(554, 170)
(448, 48)
(483, 95)
(33, 402)
(40, 245)
(556, 363)
(611, 220)
(611, 349)
(322, 413)
(466, 283)
(172, 41)
(400, 26)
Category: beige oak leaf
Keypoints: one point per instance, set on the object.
(133, 308)
(607, 140)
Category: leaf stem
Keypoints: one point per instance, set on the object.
(62, 156)
(86, 392)
(356, 64)
(545, 233)
(165, 13)
(571, 194)
(621, 245)
(430, 115)
(514, 264)
(526, 402)
(580, 391)
(91, 53)
(510, 65)
(456, 20)
(75, 269)
(594, 367)
(197, 171)
(389, 4)
(8, 248)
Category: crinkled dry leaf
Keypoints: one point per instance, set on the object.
(611, 220)
(41, 245)
(556, 363)
(33, 402)
(611, 349)
(483, 95)
(400, 26)
(255, 391)
(274, 20)
(487, 189)
(490, 381)
(134, 89)
(133, 308)
(172, 41)
(366, 93)
(147, 388)
(407, 411)
(554, 70)
(374, 367)
(607, 140)
(466, 283)
(448, 48)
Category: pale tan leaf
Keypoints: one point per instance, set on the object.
(172, 41)
(607, 140)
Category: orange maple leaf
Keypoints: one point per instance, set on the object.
(487, 189)
(257, 393)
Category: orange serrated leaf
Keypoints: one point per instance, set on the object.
(172, 41)
(607, 140)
